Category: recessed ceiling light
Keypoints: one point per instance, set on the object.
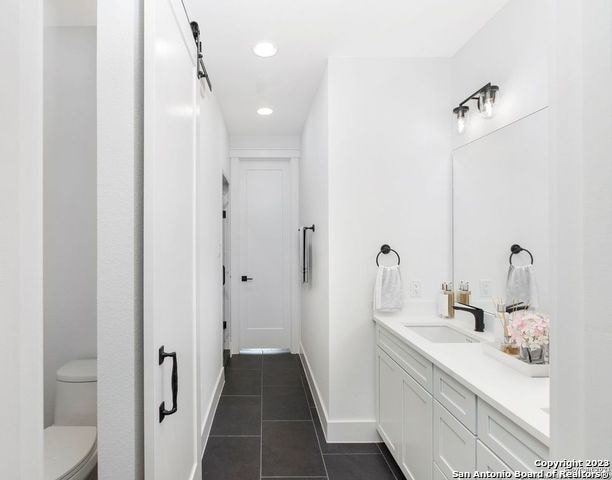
(265, 111)
(265, 49)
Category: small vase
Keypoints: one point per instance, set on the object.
(535, 355)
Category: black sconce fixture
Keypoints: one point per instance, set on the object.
(485, 98)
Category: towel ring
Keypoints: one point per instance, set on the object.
(385, 250)
(516, 249)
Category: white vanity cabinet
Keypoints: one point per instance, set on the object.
(433, 424)
(389, 402)
(454, 446)
(404, 413)
(416, 451)
(512, 444)
(487, 461)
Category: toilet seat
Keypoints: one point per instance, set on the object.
(70, 452)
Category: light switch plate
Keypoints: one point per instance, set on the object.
(416, 289)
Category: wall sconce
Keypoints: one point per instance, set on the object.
(485, 98)
(462, 117)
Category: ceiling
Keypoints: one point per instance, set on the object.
(306, 33)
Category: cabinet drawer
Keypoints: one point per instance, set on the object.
(412, 362)
(513, 445)
(487, 461)
(460, 401)
(454, 445)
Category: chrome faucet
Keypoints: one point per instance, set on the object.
(477, 312)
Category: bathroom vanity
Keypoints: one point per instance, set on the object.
(443, 405)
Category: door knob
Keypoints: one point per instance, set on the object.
(244, 278)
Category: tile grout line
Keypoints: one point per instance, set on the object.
(312, 418)
(291, 476)
(261, 419)
(241, 395)
(351, 454)
(286, 421)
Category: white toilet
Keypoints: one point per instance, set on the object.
(70, 444)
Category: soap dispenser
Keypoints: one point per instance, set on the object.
(464, 293)
(446, 301)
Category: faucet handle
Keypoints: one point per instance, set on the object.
(515, 307)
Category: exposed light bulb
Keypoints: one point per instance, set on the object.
(461, 124)
(486, 101)
(487, 111)
(462, 117)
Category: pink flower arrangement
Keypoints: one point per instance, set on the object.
(530, 330)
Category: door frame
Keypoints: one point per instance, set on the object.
(21, 239)
(293, 156)
(226, 257)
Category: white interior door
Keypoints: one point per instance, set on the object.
(171, 440)
(263, 213)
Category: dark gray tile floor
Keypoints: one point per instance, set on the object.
(267, 427)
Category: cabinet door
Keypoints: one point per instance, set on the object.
(437, 474)
(417, 406)
(487, 461)
(389, 402)
(454, 445)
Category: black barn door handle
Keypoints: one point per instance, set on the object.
(163, 413)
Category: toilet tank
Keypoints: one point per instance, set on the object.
(76, 393)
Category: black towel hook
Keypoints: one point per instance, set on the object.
(516, 249)
(385, 250)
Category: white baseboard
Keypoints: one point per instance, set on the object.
(338, 431)
(212, 409)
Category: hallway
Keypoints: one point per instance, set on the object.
(266, 426)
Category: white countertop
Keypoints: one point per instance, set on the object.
(517, 396)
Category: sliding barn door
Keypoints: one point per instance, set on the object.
(170, 367)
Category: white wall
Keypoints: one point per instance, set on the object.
(597, 129)
(388, 171)
(263, 142)
(581, 424)
(510, 51)
(314, 209)
(120, 174)
(389, 174)
(69, 201)
(21, 247)
(213, 159)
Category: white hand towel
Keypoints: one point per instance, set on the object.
(521, 286)
(388, 289)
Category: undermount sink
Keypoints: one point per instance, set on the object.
(441, 334)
